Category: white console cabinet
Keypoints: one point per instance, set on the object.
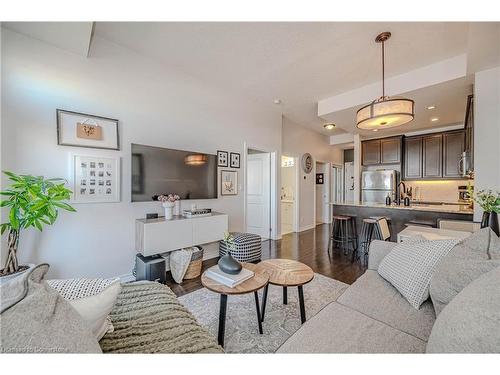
(155, 236)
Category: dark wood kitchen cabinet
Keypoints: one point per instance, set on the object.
(432, 161)
(413, 158)
(390, 150)
(381, 151)
(453, 146)
(370, 152)
(433, 156)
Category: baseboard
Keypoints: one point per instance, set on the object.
(308, 227)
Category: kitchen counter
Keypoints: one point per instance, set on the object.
(400, 217)
(445, 208)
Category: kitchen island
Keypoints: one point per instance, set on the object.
(399, 216)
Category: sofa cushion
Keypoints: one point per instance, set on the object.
(93, 299)
(340, 329)
(40, 320)
(464, 263)
(481, 240)
(410, 265)
(378, 299)
(470, 323)
(378, 250)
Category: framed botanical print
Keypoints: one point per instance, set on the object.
(234, 160)
(84, 130)
(222, 158)
(96, 179)
(229, 182)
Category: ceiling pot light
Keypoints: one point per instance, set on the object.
(375, 130)
(277, 101)
(434, 119)
(195, 159)
(329, 126)
(385, 112)
(431, 107)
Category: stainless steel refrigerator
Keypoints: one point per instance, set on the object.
(376, 185)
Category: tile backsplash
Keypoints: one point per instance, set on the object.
(437, 191)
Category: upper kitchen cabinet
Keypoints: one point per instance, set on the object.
(370, 152)
(453, 146)
(390, 150)
(432, 156)
(413, 158)
(381, 151)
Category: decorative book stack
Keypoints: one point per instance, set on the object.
(226, 279)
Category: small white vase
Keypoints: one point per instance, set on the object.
(177, 208)
(169, 210)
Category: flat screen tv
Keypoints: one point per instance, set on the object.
(157, 170)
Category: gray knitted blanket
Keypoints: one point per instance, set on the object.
(148, 318)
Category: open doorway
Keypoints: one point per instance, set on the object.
(259, 193)
(322, 192)
(289, 194)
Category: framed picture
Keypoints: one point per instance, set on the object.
(96, 179)
(229, 182)
(83, 130)
(320, 177)
(222, 158)
(234, 160)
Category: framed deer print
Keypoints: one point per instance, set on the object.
(84, 130)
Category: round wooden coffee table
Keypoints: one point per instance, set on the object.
(258, 281)
(286, 273)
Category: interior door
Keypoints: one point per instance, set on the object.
(259, 194)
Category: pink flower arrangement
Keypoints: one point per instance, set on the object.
(171, 198)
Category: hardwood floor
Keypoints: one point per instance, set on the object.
(309, 247)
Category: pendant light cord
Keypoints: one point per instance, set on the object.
(383, 70)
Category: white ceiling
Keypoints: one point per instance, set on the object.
(72, 36)
(300, 63)
(449, 98)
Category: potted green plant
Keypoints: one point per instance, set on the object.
(33, 201)
(490, 203)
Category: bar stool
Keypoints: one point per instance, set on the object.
(344, 233)
(374, 228)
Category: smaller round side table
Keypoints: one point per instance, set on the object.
(286, 273)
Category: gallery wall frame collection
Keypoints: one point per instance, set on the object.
(228, 178)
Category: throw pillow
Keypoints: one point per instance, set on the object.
(93, 299)
(464, 263)
(410, 265)
(36, 319)
(470, 322)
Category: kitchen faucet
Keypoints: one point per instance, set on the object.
(398, 191)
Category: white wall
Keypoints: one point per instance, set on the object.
(297, 141)
(155, 106)
(486, 132)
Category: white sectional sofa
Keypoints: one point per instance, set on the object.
(371, 316)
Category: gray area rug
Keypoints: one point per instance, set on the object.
(281, 321)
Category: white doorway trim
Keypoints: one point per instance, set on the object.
(327, 177)
(296, 197)
(275, 232)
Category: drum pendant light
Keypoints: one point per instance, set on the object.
(385, 112)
